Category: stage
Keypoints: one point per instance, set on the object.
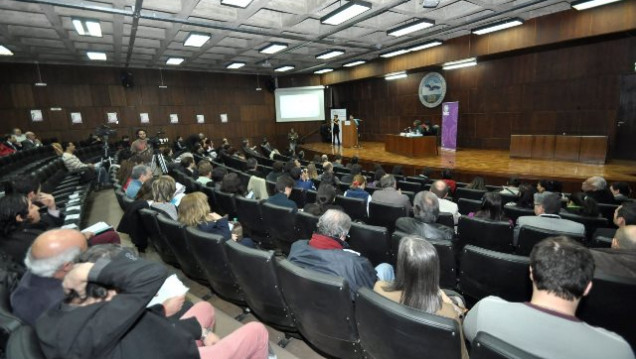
(496, 166)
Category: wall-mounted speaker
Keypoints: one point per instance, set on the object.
(127, 79)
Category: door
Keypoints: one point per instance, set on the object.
(626, 120)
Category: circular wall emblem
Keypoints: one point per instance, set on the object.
(432, 89)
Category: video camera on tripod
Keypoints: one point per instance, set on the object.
(158, 140)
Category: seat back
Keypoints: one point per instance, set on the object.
(372, 242)
(209, 191)
(590, 223)
(466, 205)
(381, 214)
(157, 239)
(447, 219)
(255, 272)
(280, 222)
(469, 193)
(306, 224)
(529, 236)
(225, 203)
(209, 251)
(484, 272)
(322, 308)
(486, 346)
(249, 213)
(391, 330)
(24, 344)
(514, 212)
(484, 233)
(119, 194)
(605, 305)
(127, 201)
(8, 322)
(175, 234)
(356, 208)
(298, 195)
(409, 186)
(607, 211)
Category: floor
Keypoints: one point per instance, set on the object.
(104, 207)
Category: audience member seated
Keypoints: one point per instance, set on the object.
(312, 171)
(354, 161)
(525, 197)
(447, 177)
(328, 176)
(546, 208)
(18, 134)
(205, 172)
(301, 179)
(232, 184)
(163, 190)
(72, 163)
(354, 170)
(189, 167)
(417, 282)
(139, 175)
(561, 272)
(477, 183)
(328, 252)
(337, 161)
(442, 191)
(49, 258)
(357, 189)
(128, 162)
(491, 208)
(20, 225)
(179, 145)
(325, 197)
(130, 222)
(582, 204)
(31, 141)
(252, 167)
(549, 186)
(217, 177)
(377, 176)
(624, 215)
(511, 187)
(249, 151)
(29, 186)
(277, 171)
(426, 210)
(620, 259)
(596, 187)
(390, 195)
(7, 146)
(104, 315)
(621, 192)
(194, 211)
(284, 186)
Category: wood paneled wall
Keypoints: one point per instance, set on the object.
(95, 91)
(572, 89)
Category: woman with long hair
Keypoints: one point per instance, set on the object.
(490, 207)
(325, 197)
(477, 183)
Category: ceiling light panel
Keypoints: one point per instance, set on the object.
(196, 39)
(273, 48)
(588, 4)
(410, 27)
(285, 68)
(459, 64)
(395, 75)
(346, 12)
(386, 55)
(354, 63)
(96, 56)
(236, 3)
(426, 45)
(323, 71)
(87, 27)
(235, 65)
(330, 54)
(501, 25)
(175, 61)
(5, 52)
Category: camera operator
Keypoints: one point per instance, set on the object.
(140, 145)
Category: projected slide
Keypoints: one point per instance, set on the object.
(300, 104)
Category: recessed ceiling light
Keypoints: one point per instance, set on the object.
(330, 54)
(497, 26)
(235, 65)
(460, 63)
(394, 53)
(236, 3)
(285, 68)
(425, 45)
(174, 61)
(196, 39)
(273, 48)
(87, 27)
(346, 12)
(588, 4)
(395, 75)
(323, 71)
(354, 63)
(410, 27)
(5, 52)
(96, 56)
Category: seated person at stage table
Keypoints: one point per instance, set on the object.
(546, 209)
(325, 196)
(105, 315)
(596, 187)
(417, 282)
(620, 259)
(328, 252)
(561, 271)
(284, 187)
(390, 195)
(441, 190)
(424, 223)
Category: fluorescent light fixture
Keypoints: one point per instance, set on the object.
(174, 61)
(386, 55)
(410, 27)
(5, 52)
(587, 4)
(87, 27)
(460, 63)
(395, 75)
(346, 12)
(236, 3)
(354, 63)
(273, 48)
(330, 54)
(497, 26)
(323, 71)
(285, 68)
(425, 45)
(196, 39)
(235, 65)
(96, 56)
(163, 86)
(40, 84)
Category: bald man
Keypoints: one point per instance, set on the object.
(620, 259)
(49, 258)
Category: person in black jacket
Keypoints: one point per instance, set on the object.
(19, 225)
(105, 315)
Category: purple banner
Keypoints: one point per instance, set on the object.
(449, 125)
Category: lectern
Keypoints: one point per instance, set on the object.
(349, 134)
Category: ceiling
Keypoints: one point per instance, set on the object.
(145, 33)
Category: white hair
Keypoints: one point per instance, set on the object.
(334, 223)
(46, 267)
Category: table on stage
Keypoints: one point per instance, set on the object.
(421, 146)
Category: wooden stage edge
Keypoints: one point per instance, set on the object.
(495, 166)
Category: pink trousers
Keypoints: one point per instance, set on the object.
(249, 341)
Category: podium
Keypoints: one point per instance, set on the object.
(349, 134)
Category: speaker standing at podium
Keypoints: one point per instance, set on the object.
(335, 132)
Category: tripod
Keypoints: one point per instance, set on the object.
(158, 160)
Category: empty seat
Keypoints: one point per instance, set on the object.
(484, 233)
(306, 224)
(486, 346)
(590, 223)
(381, 214)
(372, 242)
(409, 186)
(322, 308)
(514, 212)
(529, 236)
(249, 214)
(468, 193)
(356, 208)
(24, 344)
(447, 219)
(157, 239)
(298, 196)
(280, 222)
(484, 272)
(390, 330)
(466, 205)
(225, 202)
(175, 234)
(8, 322)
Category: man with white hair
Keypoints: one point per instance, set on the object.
(596, 187)
(49, 258)
(31, 141)
(139, 175)
(424, 223)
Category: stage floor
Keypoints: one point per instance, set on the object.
(489, 163)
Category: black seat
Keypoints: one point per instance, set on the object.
(255, 272)
(175, 234)
(127, 201)
(298, 196)
(389, 330)
(209, 251)
(409, 186)
(469, 193)
(381, 214)
(322, 308)
(356, 208)
(446, 254)
(607, 304)
(447, 219)
(590, 223)
(249, 213)
(529, 236)
(24, 344)
(225, 202)
(484, 233)
(306, 224)
(486, 346)
(484, 272)
(372, 242)
(8, 322)
(157, 239)
(607, 211)
(209, 191)
(280, 222)
(466, 205)
(514, 212)
(119, 194)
